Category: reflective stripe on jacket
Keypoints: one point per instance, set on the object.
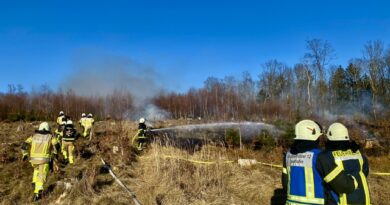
(304, 182)
(352, 163)
(41, 147)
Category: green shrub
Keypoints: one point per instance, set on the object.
(232, 137)
(264, 140)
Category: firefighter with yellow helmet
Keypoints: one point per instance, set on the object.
(343, 155)
(43, 147)
(301, 176)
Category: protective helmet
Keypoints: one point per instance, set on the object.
(337, 132)
(142, 120)
(83, 115)
(307, 130)
(61, 113)
(69, 122)
(90, 115)
(44, 126)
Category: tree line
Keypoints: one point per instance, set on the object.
(44, 104)
(314, 86)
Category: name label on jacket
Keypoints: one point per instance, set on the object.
(300, 160)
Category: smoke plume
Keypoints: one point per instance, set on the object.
(100, 75)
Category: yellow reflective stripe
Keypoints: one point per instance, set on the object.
(39, 155)
(284, 170)
(309, 182)
(343, 197)
(305, 199)
(364, 182)
(333, 174)
(289, 180)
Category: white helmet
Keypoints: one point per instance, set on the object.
(83, 115)
(337, 132)
(142, 120)
(61, 113)
(90, 115)
(307, 130)
(69, 122)
(44, 126)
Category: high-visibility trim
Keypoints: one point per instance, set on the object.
(343, 197)
(303, 199)
(284, 170)
(333, 174)
(309, 182)
(364, 182)
(289, 180)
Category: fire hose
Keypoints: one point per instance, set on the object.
(131, 194)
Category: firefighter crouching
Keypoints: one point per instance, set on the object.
(43, 147)
(140, 137)
(68, 138)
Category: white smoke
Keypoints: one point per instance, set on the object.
(100, 74)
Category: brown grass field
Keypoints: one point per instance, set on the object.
(163, 174)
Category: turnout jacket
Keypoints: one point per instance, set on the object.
(301, 177)
(338, 157)
(43, 145)
(69, 134)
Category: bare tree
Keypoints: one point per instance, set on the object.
(373, 55)
(319, 54)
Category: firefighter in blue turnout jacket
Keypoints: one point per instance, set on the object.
(301, 179)
(340, 155)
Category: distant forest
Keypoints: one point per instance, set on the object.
(312, 87)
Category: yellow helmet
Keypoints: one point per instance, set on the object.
(307, 130)
(44, 126)
(337, 132)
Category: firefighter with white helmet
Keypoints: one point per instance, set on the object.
(69, 136)
(140, 136)
(342, 154)
(301, 177)
(43, 147)
(86, 124)
(61, 118)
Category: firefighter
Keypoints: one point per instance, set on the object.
(59, 131)
(82, 122)
(140, 136)
(301, 179)
(61, 118)
(43, 147)
(87, 124)
(68, 138)
(341, 154)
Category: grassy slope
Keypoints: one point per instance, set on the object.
(154, 178)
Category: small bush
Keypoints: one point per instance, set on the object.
(264, 141)
(232, 137)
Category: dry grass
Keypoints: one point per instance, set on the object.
(153, 177)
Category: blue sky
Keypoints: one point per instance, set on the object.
(183, 41)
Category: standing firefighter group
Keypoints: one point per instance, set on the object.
(336, 175)
(44, 147)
